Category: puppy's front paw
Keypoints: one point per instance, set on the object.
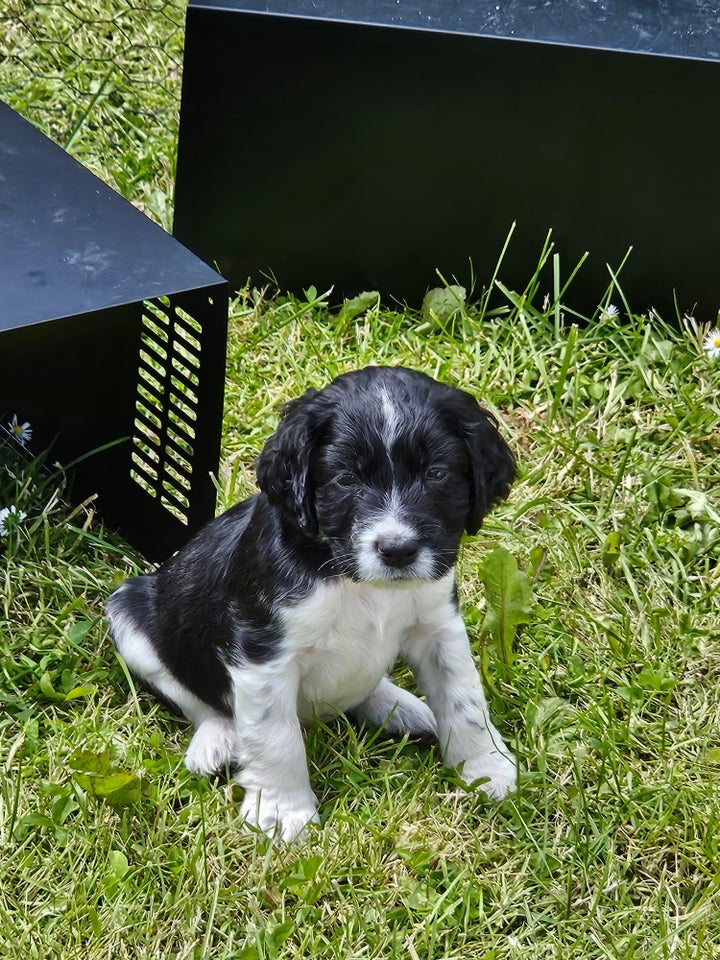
(498, 772)
(281, 817)
(212, 747)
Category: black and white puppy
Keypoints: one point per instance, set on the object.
(297, 601)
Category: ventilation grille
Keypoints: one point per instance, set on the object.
(166, 405)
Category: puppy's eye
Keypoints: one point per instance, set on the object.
(437, 473)
(346, 479)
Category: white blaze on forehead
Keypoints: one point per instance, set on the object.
(392, 417)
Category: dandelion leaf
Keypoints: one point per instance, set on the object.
(47, 689)
(101, 777)
(508, 601)
(357, 305)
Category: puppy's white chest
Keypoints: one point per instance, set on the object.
(344, 638)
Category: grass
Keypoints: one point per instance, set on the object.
(102, 79)
(109, 848)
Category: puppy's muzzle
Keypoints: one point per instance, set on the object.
(397, 551)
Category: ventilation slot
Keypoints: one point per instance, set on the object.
(166, 405)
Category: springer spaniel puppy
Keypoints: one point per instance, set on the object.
(298, 601)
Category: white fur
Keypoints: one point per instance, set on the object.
(278, 797)
(345, 637)
(439, 654)
(214, 745)
(331, 651)
(392, 419)
(138, 653)
(398, 711)
(340, 642)
(389, 524)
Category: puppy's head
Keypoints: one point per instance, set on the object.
(388, 467)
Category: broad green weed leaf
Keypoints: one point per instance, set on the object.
(83, 691)
(611, 549)
(538, 563)
(301, 881)
(102, 778)
(76, 633)
(47, 689)
(697, 504)
(656, 679)
(248, 952)
(118, 864)
(30, 822)
(118, 789)
(357, 305)
(441, 303)
(63, 807)
(508, 600)
(88, 761)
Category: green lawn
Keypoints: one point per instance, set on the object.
(609, 696)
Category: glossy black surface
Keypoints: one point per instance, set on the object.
(683, 28)
(68, 243)
(81, 271)
(370, 157)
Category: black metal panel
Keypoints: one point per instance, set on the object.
(68, 243)
(681, 28)
(112, 343)
(178, 405)
(368, 157)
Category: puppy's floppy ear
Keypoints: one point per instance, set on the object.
(492, 465)
(283, 467)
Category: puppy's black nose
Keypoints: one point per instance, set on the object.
(397, 551)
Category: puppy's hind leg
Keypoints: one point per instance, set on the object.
(398, 711)
(214, 743)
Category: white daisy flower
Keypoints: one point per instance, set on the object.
(711, 344)
(609, 312)
(12, 514)
(22, 432)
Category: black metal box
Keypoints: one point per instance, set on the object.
(112, 339)
(366, 144)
